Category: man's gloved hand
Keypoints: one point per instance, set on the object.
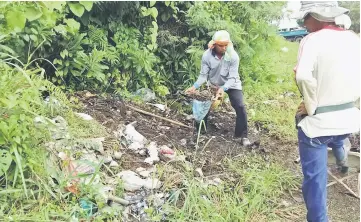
(218, 98)
(220, 93)
(301, 110)
(191, 90)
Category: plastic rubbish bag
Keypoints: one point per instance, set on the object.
(146, 94)
(200, 109)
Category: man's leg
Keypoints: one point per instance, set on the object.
(236, 99)
(340, 151)
(313, 154)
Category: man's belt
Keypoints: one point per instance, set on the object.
(333, 108)
(326, 109)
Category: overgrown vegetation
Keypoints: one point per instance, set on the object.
(354, 7)
(47, 48)
(253, 198)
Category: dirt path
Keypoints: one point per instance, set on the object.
(111, 113)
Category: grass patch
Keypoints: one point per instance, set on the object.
(274, 103)
(253, 197)
(85, 128)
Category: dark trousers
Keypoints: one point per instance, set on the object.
(236, 99)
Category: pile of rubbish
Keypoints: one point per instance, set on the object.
(76, 166)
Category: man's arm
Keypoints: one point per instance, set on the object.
(307, 61)
(203, 76)
(233, 72)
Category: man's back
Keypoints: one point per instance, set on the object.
(338, 66)
(335, 58)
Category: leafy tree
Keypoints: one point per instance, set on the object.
(354, 7)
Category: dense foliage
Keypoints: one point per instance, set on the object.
(119, 46)
(354, 7)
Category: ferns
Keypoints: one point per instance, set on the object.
(98, 37)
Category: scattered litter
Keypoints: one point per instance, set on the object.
(136, 146)
(166, 153)
(89, 95)
(133, 182)
(199, 171)
(92, 144)
(126, 214)
(157, 199)
(117, 155)
(59, 130)
(142, 152)
(113, 164)
(84, 116)
(135, 198)
(118, 200)
(132, 135)
(76, 167)
(153, 153)
(103, 193)
(152, 183)
(89, 207)
(105, 159)
(90, 156)
(144, 172)
(183, 142)
(145, 94)
(159, 106)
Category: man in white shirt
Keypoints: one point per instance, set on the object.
(328, 76)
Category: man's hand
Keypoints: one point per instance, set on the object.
(191, 90)
(301, 110)
(219, 93)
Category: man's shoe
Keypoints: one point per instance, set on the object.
(242, 140)
(246, 142)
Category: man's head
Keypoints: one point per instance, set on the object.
(220, 48)
(220, 42)
(313, 25)
(318, 14)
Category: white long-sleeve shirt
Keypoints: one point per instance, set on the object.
(328, 73)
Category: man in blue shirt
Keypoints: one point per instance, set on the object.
(220, 67)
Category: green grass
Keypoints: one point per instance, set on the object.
(80, 128)
(278, 115)
(252, 197)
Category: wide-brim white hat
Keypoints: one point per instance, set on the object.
(328, 10)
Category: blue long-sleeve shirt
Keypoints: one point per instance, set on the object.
(219, 72)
